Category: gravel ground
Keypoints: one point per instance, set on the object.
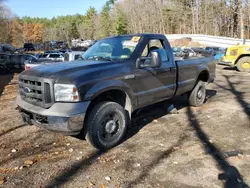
(181, 150)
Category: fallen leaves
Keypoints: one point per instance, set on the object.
(91, 184)
(28, 162)
(7, 170)
(107, 159)
(2, 180)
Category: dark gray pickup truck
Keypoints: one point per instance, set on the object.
(96, 96)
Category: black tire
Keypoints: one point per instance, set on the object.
(106, 125)
(243, 64)
(198, 94)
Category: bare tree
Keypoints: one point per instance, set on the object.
(5, 23)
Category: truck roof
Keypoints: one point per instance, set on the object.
(141, 35)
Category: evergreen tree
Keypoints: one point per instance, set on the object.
(121, 23)
(89, 23)
(106, 21)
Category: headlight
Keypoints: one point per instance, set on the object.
(66, 93)
(247, 49)
(234, 52)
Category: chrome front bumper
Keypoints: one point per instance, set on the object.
(65, 118)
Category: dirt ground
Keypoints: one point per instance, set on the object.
(181, 150)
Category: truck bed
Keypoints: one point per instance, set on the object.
(188, 68)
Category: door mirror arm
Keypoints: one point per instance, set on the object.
(155, 61)
(140, 62)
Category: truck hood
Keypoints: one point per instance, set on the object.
(67, 71)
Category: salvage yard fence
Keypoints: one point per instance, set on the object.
(209, 40)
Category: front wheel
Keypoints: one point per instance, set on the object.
(243, 65)
(106, 125)
(198, 94)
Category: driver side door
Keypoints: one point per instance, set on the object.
(156, 84)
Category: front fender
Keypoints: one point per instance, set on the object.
(108, 85)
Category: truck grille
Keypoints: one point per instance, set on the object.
(36, 91)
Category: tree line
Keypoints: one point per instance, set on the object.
(229, 18)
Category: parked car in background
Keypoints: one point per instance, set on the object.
(52, 52)
(85, 43)
(177, 51)
(62, 44)
(29, 47)
(63, 51)
(199, 50)
(190, 52)
(4, 59)
(47, 45)
(88, 43)
(29, 64)
(53, 44)
(15, 62)
(52, 57)
(219, 54)
(7, 48)
(237, 56)
(38, 55)
(71, 56)
(213, 50)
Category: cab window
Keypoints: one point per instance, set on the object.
(77, 57)
(155, 44)
(54, 55)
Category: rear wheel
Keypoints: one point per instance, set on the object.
(106, 125)
(243, 64)
(198, 94)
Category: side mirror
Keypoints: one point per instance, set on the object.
(153, 61)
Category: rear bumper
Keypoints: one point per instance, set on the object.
(65, 118)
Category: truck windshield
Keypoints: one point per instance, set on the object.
(116, 48)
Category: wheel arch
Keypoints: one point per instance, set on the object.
(115, 91)
(203, 76)
(241, 56)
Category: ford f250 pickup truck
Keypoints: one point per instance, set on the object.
(96, 96)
